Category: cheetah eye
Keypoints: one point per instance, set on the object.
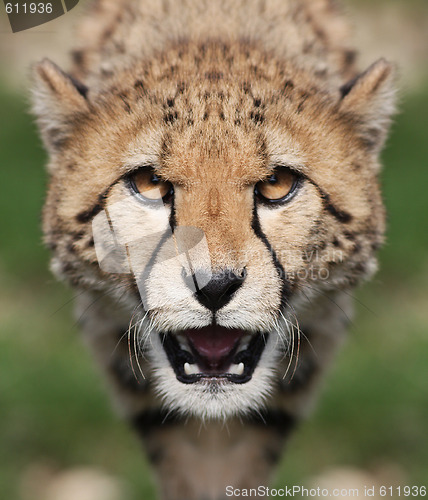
(150, 186)
(278, 187)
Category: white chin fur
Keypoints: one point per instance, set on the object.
(213, 399)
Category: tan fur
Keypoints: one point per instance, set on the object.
(215, 95)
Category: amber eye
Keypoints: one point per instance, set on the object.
(150, 186)
(279, 186)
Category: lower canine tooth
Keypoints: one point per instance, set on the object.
(237, 369)
(190, 369)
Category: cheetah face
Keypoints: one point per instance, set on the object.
(217, 212)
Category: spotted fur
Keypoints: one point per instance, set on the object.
(215, 94)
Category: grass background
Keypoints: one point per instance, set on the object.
(53, 406)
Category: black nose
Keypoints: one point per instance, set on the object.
(220, 289)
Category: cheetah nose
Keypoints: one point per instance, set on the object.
(220, 289)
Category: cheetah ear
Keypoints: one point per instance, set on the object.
(370, 99)
(56, 98)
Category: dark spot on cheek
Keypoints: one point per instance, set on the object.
(67, 267)
(336, 243)
(322, 245)
(77, 235)
(357, 247)
(87, 215)
(360, 268)
(349, 235)
(340, 215)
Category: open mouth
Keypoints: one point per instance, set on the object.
(213, 352)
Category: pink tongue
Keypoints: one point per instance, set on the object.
(214, 342)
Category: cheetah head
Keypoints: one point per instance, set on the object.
(216, 211)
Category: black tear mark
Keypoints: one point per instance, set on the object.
(285, 289)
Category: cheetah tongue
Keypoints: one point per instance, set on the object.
(214, 344)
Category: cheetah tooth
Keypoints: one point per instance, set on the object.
(190, 369)
(237, 369)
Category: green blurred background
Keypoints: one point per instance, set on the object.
(373, 416)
